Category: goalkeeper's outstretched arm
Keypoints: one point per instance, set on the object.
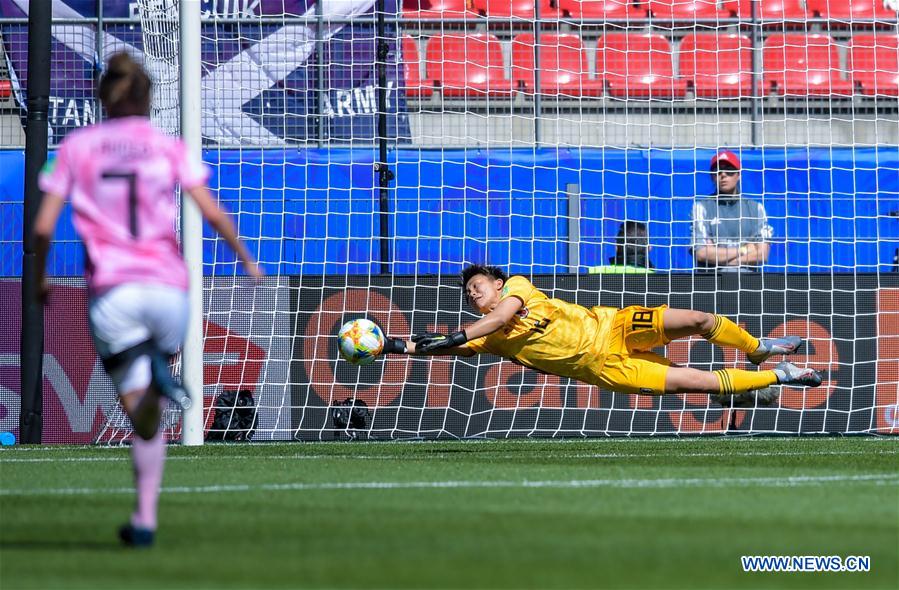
(453, 344)
(399, 346)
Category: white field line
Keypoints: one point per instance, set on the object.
(451, 456)
(662, 441)
(796, 481)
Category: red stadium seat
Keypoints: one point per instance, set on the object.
(412, 71)
(563, 65)
(436, 9)
(874, 63)
(686, 10)
(851, 10)
(637, 66)
(5, 89)
(523, 9)
(804, 65)
(467, 65)
(601, 9)
(720, 66)
(773, 10)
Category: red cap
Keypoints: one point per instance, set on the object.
(725, 157)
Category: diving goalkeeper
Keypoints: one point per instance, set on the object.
(606, 346)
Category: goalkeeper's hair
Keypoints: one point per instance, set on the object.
(494, 272)
(125, 88)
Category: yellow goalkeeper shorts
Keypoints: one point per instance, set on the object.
(630, 366)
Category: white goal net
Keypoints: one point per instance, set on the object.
(536, 140)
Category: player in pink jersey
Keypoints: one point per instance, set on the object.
(121, 176)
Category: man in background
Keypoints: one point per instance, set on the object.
(631, 251)
(730, 232)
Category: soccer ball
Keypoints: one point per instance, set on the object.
(360, 341)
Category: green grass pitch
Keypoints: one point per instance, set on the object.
(611, 513)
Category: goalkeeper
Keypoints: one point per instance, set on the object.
(606, 346)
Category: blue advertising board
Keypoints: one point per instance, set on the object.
(317, 211)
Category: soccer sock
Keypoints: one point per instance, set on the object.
(727, 333)
(149, 458)
(734, 381)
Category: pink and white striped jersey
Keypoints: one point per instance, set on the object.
(121, 175)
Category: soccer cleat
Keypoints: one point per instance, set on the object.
(166, 385)
(179, 395)
(761, 398)
(132, 536)
(768, 347)
(789, 374)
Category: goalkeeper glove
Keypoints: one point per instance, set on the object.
(416, 338)
(395, 346)
(432, 342)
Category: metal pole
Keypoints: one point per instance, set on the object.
(574, 227)
(321, 128)
(192, 222)
(98, 59)
(385, 175)
(36, 129)
(756, 73)
(537, 110)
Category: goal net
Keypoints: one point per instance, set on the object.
(527, 137)
(367, 163)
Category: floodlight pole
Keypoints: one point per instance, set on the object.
(192, 222)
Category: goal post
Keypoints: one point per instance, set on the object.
(171, 35)
(191, 221)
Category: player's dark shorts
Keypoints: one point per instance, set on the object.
(630, 366)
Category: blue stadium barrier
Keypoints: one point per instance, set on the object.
(829, 207)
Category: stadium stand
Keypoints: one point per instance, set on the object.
(874, 63)
(803, 65)
(717, 65)
(770, 10)
(467, 65)
(686, 10)
(637, 66)
(640, 65)
(847, 11)
(412, 70)
(601, 9)
(437, 9)
(564, 69)
(522, 9)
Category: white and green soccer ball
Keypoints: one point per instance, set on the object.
(360, 341)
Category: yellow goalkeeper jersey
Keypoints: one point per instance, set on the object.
(551, 335)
